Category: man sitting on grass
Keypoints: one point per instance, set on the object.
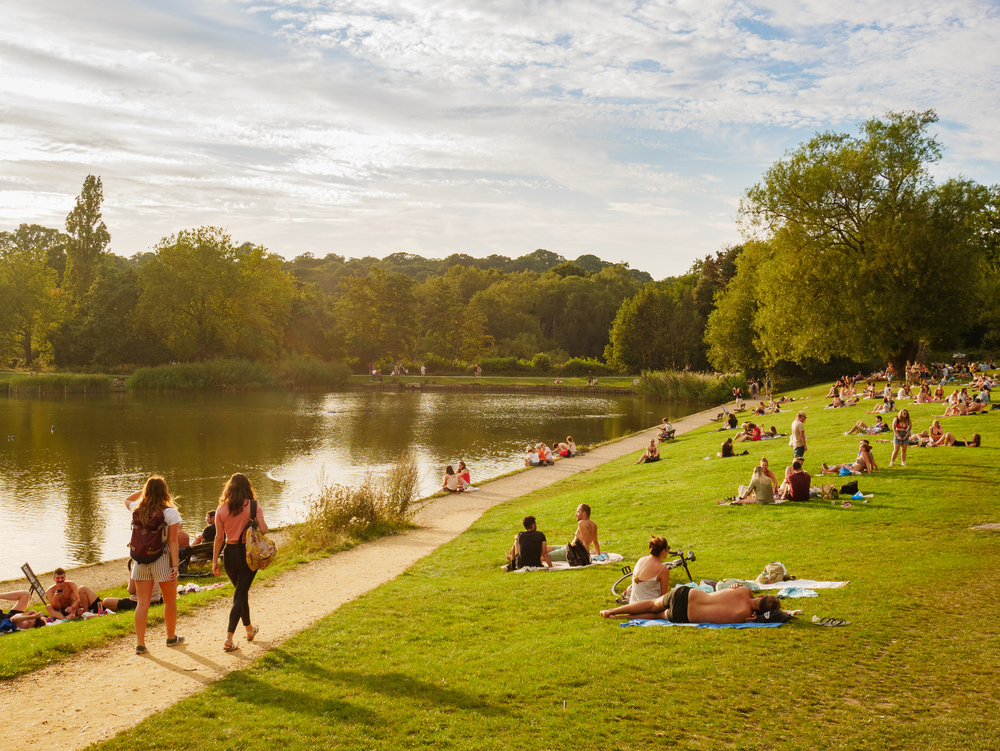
(67, 600)
(529, 548)
(586, 532)
(689, 605)
(796, 484)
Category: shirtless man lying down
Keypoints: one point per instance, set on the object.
(689, 605)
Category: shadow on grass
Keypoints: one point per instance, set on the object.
(246, 688)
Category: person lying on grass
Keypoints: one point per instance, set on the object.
(884, 408)
(689, 605)
(948, 439)
(874, 429)
(864, 463)
(17, 618)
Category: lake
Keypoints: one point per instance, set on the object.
(66, 463)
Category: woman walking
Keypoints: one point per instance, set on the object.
(231, 520)
(901, 430)
(153, 511)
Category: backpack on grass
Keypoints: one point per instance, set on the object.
(148, 540)
(577, 553)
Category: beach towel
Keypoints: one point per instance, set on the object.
(644, 622)
(805, 584)
(600, 560)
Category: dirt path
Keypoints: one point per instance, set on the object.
(64, 706)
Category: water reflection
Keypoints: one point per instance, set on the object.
(73, 459)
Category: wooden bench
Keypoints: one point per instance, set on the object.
(195, 554)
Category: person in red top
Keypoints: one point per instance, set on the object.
(796, 484)
(231, 519)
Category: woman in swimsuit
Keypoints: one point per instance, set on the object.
(651, 577)
(948, 439)
(901, 429)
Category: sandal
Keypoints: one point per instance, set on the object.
(830, 621)
(252, 634)
(228, 646)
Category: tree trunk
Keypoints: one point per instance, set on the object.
(907, 351)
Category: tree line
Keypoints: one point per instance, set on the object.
(852, 254)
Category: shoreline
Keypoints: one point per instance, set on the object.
(60, 693)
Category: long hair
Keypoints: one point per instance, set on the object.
(155, 498)
(237, 492)
(757, 474)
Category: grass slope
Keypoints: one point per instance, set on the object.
(455, 654)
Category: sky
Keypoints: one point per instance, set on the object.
(628, 130)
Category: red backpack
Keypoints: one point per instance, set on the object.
(146, 545)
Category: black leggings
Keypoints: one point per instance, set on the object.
(235, 556)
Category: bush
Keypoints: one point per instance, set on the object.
(298, 372)
(542, 363)
(379, 506)
(584, 366)
(506, 366)
(439, 366)
(702, 387)
(211, 374)
(56, 383)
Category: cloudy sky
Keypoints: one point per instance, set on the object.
(624, 129)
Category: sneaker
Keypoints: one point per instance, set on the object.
(140, 649)
(902, 464)
(176, 641)
(891, 463)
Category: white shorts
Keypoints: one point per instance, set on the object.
(157, 571)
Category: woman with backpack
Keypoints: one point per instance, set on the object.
(232, 519)
(155, 550)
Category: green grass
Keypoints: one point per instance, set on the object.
(616, 381)
(456, 654)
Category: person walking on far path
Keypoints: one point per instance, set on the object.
(231, 520)
(797, 440)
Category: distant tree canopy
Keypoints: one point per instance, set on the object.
(856, 253)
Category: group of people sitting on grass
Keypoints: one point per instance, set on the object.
(457, 482)
(532, 550)
(541, 455)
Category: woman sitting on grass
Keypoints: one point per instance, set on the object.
(451, 482)
(727, 449)
(652, 453)
(651, 577)
(864, 463)
(751, 432)
(760, 490)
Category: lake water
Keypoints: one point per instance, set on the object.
(73, 459)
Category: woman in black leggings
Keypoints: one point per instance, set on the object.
(231, 520)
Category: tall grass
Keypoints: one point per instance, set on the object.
(292, 372)
(73, 383)
(702, 387)
(381, 505)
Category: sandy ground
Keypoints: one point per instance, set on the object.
(62, 704)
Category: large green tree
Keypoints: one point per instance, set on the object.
(87, 239)
(866, 256)
(209, 297)
(30, 303)
(377, 313)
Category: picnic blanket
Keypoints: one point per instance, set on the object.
(804, 584)
(602, 560)
(658, 622)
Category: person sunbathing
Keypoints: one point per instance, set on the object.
(874, 429)
(883, 409)
(864, 463)
(834, 391)
(948, 439)
(958, 409)
(68, 600)
(976, 406)
(689, 605)
(651, 576)
(652, 453)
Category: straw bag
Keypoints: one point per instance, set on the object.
(260, 550)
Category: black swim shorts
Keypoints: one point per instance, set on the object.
(675, 602)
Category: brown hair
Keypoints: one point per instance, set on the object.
(585, 509)
(657, 545)
(237, 492)
(155, 498)
(59, 572)
(528, 522)
(767, 603)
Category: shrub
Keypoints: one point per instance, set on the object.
(439, 366)
(703, 387)
(508, 366)
(297, 372)
(377, 507)
(542, 363)
(56, 382)
(584, 366)
(211, 374)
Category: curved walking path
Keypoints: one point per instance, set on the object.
(98, 693)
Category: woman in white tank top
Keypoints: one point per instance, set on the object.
(651, 577)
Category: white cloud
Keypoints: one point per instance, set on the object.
(439, 127)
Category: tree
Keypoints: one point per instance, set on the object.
(656, 329)
(378, 315)
(30, 303)
(867, 257)
(87, 239)
(208, 297)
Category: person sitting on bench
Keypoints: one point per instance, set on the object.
(209, 534)
(666, 431)
(690, 605)
(68, 600)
